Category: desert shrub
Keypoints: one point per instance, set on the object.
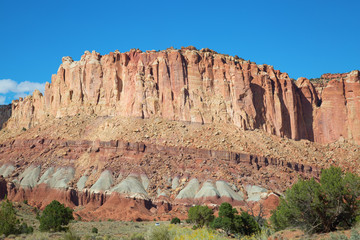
(201, 215)
(175, 220)
(55, 217)
(137, 236)
(245, 224)
(24, 228)
(320, 206)
(70, 236)
(8, 222)
(178, 232)
(159, 233)
(338, 236)
(231, 222)
(94, 230)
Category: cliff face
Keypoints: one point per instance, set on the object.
(339, 113)
(184, 85)
(5, 114)
(196, 86)
(121, 124)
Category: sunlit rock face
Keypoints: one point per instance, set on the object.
(339, 113)
(185, 85)
(198, 86)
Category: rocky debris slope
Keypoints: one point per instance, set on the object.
(87, 174)
(5, 114)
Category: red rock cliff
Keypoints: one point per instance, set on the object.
(185, 85)
(197, 86)
(339, 113)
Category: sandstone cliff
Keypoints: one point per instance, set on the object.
(5, 114)
(184, 85)
(199, 86)
(339, 113)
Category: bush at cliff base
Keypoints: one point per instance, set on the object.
(9, 224)
(175, 220)
(231, 222)
(55, 217)
(320, 206)
(200, 216)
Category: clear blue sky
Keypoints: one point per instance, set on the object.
(302, 38)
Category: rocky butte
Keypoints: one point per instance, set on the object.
(159, 130)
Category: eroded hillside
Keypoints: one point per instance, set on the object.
(158, 131)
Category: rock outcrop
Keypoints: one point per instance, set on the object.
(194, 86)
(184, 85)
(339, 113)
(160, 131)
(35, 172)
(5, 114)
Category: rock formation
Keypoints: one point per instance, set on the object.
(195, 86)
(39, 182)
(161, 130)
(183, 85)
(5, 114)
(339, 113)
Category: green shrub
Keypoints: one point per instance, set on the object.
(55, 216)
(175, 220)
(94, 230)
(231, 222)
(320, 206)
(201, 215)
(8, 222)
(245, 224)
(24, 228)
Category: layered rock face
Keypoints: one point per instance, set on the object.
(5, 114)
(123, 129)
(197, 86)
(170, 181)
(183, 85)
(339, 113)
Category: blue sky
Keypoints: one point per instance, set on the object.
(302, 38)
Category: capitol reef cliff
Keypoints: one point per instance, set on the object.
(199, 86)
(158, 131)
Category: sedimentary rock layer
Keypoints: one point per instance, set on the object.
(118, 172)
(339, 113)
(197, 86)
(5, 114)
(184, 85)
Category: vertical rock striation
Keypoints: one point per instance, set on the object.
(339, 113)
(183, 85)
(199, 86)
